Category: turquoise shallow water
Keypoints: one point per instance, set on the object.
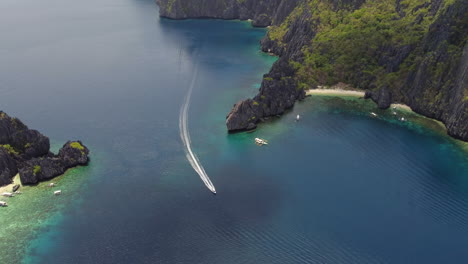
(337, 187)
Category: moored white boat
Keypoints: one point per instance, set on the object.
(7, 194)
(3, 204)
(59, 192)
(260, 141)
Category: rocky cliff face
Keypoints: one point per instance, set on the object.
(26, 151)
(262, 13)
(8, 167)
(411, 52)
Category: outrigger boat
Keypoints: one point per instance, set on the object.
(261, 142)
(15, 188)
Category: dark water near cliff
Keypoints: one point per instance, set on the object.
(337, 187)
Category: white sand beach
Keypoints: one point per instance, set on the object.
(337, 92)
(7, 188)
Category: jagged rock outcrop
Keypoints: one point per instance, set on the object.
(27, 151)
(70, 155)
(382, 97)
(29, 143)
(278, 92)
(407, 52)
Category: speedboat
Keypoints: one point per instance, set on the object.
(7, 194)
(3, 204)
(59, 192)
(373, 114)
(298, 117)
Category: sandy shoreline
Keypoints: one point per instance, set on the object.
(8, 188)
(402, 107)
(338, 92)
(356, 93)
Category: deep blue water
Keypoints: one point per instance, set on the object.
(336, 187)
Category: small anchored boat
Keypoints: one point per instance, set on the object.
(7, 194)
(298, 117)
(3, 204)
(373, 114)
(260, 141)
(59, 192)
(52, 184)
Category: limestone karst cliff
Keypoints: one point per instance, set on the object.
(411, 52)
(27, 151)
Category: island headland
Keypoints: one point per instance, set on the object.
(408, 52)
(27, 152)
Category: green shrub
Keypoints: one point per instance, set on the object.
(10, 149)
(77, 145)
(37, 169)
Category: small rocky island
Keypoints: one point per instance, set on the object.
(27, 152)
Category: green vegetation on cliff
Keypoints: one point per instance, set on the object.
(10, 149)
(400, 51)
(77, 145)
(349, 45)
(37, 169)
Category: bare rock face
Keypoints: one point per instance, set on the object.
(27, 142)
(70, 155)
(262, 13)
(26, 151)
(243, 116)
(278, 93)
(382, 97)
(8, 167)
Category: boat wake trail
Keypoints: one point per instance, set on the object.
(185, 136)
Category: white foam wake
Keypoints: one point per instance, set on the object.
(185, 136)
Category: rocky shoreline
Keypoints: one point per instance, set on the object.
(435, 84)
(27, 152)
